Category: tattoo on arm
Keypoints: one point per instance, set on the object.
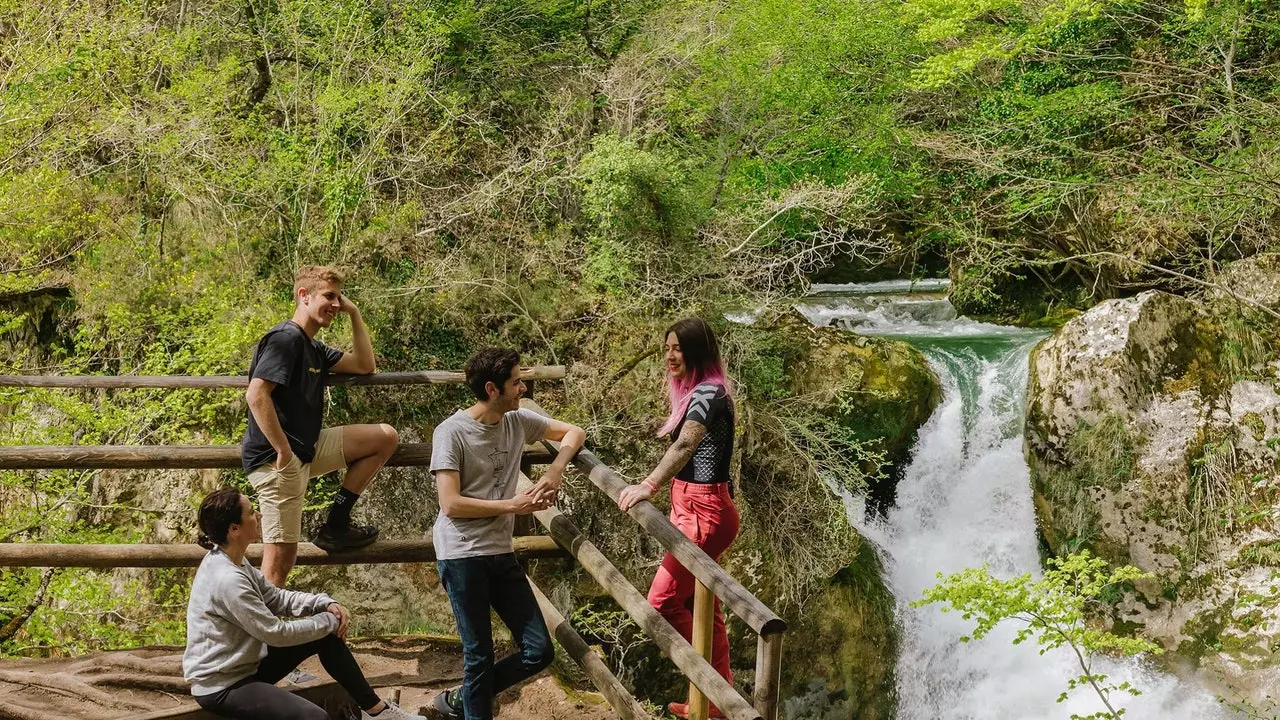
(677, 456)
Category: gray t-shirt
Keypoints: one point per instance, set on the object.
(487, 458)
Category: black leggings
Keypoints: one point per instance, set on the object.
(257, 697)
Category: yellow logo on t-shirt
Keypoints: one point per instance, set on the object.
(314, 371)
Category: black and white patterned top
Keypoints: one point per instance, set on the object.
(709, 405)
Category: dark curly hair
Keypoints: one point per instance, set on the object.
(218, 512)
(490, 365)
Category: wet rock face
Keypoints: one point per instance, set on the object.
(1146, 448)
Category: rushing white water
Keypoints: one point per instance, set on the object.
(965, 501)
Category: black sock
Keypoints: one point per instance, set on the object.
(340, 510)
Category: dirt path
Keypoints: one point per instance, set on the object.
(147, 684)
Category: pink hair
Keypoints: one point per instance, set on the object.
(699, 345)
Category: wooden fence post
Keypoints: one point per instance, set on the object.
(704, 603)
(768, 675)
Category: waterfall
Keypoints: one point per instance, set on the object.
(965, 501)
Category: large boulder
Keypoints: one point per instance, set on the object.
(1148, 446)
(1110, 360)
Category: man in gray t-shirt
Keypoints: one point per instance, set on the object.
(487, 460)
(475, 458)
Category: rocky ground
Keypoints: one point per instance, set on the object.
(146, 684)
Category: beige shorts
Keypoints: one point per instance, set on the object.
(281, 492)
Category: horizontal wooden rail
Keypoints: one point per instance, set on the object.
(182, 555)
(140, 457)
(667, 638)
(737, 598)
(213, 382)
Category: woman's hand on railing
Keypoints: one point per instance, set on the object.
(633, 494)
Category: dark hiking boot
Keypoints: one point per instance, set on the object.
(353, 537)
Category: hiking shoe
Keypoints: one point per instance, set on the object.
(298, 676)
(391, 712)
(353, 538)
(681, 710)
(448, 705)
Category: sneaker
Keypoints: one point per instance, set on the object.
(298, 676)
(448, 705)
(353, 538)
(681, 710)
(391, 712)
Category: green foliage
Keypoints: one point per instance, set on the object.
(987, 30)
(637, 204)
(1054, 612)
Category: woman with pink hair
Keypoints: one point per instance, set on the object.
(701, 426)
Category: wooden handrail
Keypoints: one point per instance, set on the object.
(416, 550)
(213, 382)
(140, 457)
(622, 701)
(667, 638)
(737, 598)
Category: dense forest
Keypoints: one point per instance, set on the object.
(566, 177)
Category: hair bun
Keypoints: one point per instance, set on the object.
(204, 542)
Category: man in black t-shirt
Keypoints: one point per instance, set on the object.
(285, 446)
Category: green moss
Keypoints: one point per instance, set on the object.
(1204, 633)
(1255, 425)
(848, 636)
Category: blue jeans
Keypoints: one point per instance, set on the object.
(474, 585)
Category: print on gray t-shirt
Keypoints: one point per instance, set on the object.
(487, 458)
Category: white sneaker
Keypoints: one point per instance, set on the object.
(391, 712)
(298, 676)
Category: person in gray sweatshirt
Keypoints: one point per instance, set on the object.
(238, 647)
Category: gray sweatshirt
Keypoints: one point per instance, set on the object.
(234, 614)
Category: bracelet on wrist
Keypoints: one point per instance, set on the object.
(653, 487)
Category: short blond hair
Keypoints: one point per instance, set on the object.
(308, 275)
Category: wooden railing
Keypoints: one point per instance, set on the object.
(214, 382)
(711, 582)
(692, 658)
(134, 555)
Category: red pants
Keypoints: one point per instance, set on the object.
(707, 516)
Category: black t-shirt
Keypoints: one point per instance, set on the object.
(709, 405)
(298, 365)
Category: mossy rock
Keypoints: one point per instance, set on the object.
(847, 635)
(880, 389)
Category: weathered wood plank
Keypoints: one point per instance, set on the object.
(138, 457)
(213, 382)
(768, 675)
(666, 637)
(416, 550)
(620, 699)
